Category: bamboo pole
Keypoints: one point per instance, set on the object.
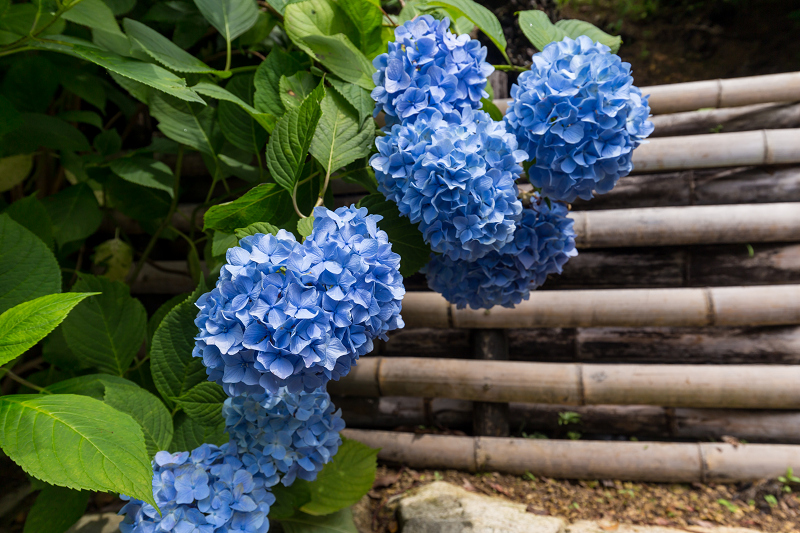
(699, 386)
(721, 306)
(746, 118)
(630, 461)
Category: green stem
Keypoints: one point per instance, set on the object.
(135, 367)
(165, 223)
(294, 201)
(22, 381)
(14, 47)
(248, 68)
(321, 199)
(228, 55)
(510, 68)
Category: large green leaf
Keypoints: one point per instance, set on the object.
(145, 172)
(536, 26)
(155, 320)
(357, 96)
(113, 258)
(84, 117)
(30, 83)
(107, 330)
(163, 50)
(231, 18)
(10, 118)
(254, 228)
(341, 57)
(174, 369)
(37, 130)
(93, 385)
(94, 14)
(76, 442)
(266, 202)
(481, 17)
(288, 500)
(185, 123)
(315, 17)
(190, 434)
(27, 268)
(27, 18)
(215, 91)
(343, 481)
(237, 125)
(31, 213)
(141, 203)
(367, 18)
(339, 522)
(25, 324)
(575, 28)
(295, 88)
(56, 509)
(267, 80)
(340, 138)
(14, 169)
(405, 237)
(203, 403)
(147, 410)
(74, 213)
(288, 146)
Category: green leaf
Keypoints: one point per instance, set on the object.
(108, 142)
(203, 403)
(74, 213)
(405, 237)
(267, 81)
(339, 522)
(358, 97)
(185, 123)
(27, 323)
(340, 138)
(231, 18)
(305, 226)
(154, 321)
(37, 130)
(537, 27)
(22, 19)
(10, 118)
(141, 203)
(576, 28)
(174, 369)
(367, 18)
(256, 227)
(56, 509)
(489, 107)
(163, 50)
(85, 86)
(120, 7)
(295, 88)
(221, 242)
(84, 117)
(288, 500)
(215, 91)
(30, 82)
(14, 170)
(27, 268)
(31, 214)
(106, 331)
(237, 125)
(341, 57)
(343, 481)
(290, 141)
(481, 17)
(190, 434)
(76, 442)
(145, 172)
(114, 257)
(94, 14)
(315, 17)
(361, 173)
(93, 385)
(147, 410)
(264, 202)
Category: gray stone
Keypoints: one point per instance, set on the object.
(444, 508)
(97, 523)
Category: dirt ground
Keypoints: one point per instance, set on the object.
(613, 502)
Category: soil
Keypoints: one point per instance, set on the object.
(614, 502)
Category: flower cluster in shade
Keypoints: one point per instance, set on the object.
(578, 116)
(293, 434)
(428, 67)
(543, 242)
(212, 489)
(454, 175)
(286, 314)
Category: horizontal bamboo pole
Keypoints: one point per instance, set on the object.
(687, 225)
(733, 92)
(746, 118)
(699, 386)
(591, 460)
(721, 306)
(642, 421)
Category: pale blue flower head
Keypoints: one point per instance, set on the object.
(579, 117)
(543, 242)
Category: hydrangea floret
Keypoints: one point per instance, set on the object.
(578, 116)
(455, 178)
(428, 67)
(212, 489)
(543, 242)
(292, 434)
(286, 314)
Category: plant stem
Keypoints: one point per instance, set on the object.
(23, 381)
(321, 199)
(14, 47)
(165, 223)
(510, 68)
(294, 201)
(227, 55)
(247, 68)
(135, 367)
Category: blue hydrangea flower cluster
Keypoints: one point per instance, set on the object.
(212, 489)
(578, 116)
(429, 67)
(543, 242)
(455, 177)
(295, 434)
(286, 314)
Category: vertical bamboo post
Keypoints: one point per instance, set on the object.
(490, 419)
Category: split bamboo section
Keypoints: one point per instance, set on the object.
(733, 92)
(591, 460)
(698, 386)
(688, 225)
(752, 117)
(685, 307)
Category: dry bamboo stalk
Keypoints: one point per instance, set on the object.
(630, 461)
(746, 118)
(721, 306)
(698, 386)
(687, 225)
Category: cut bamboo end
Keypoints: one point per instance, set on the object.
(590, 460)
(688, 225)
(721, 306)
(697, 386)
